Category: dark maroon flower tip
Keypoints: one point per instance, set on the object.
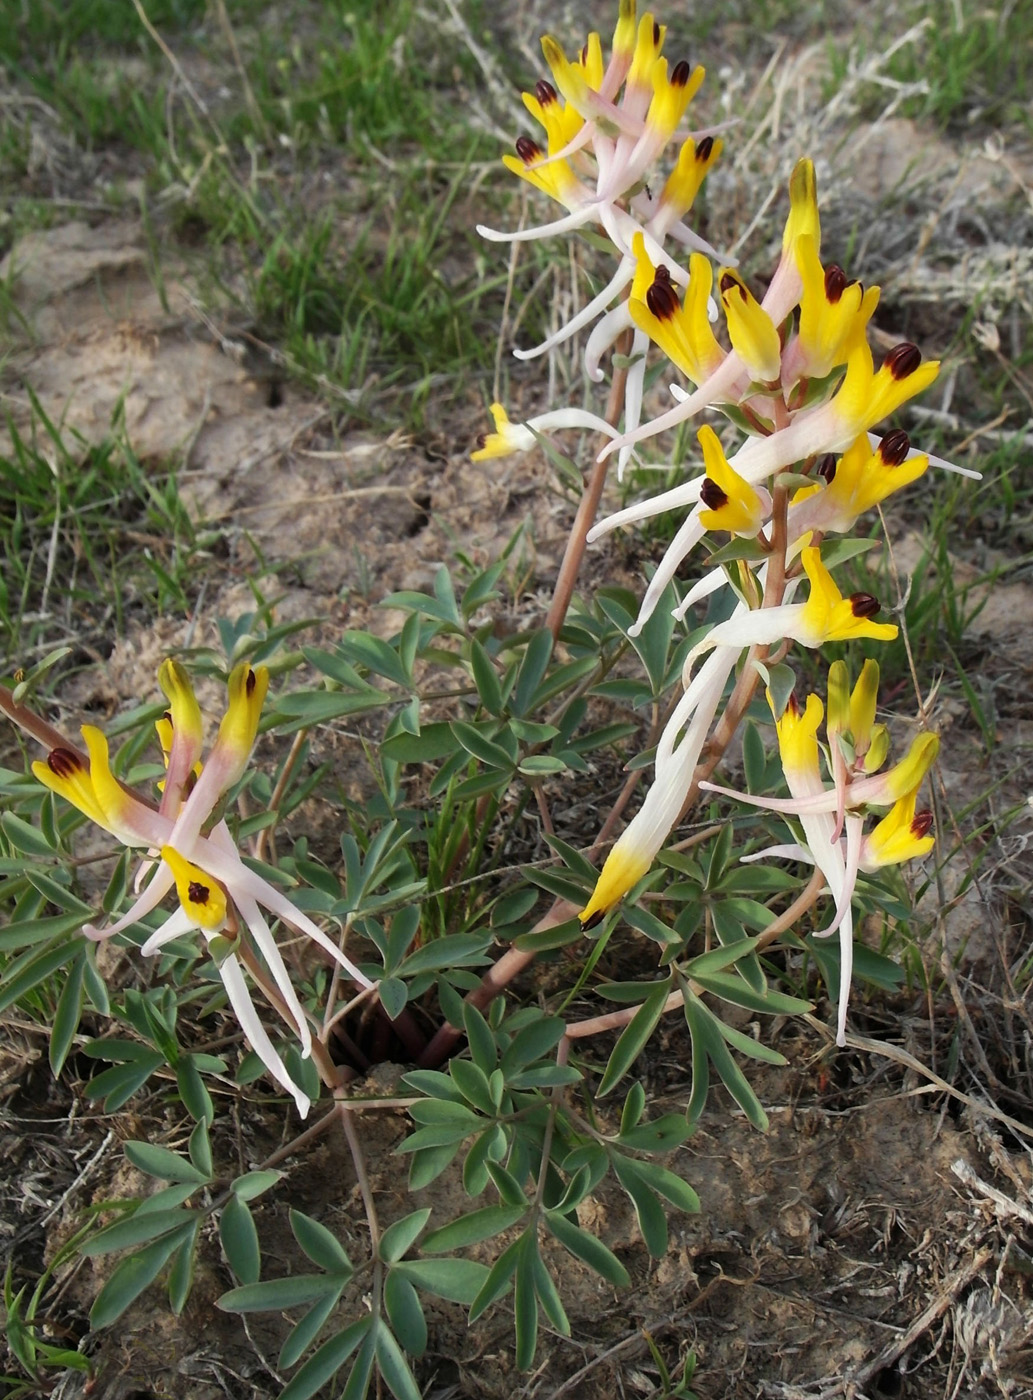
(661, 298)
(835, 283)
(921, 824)
(903, 360)
(711, 495)
(584, 54)
(251, 682)
(593, 921)
(528, 150)
(480, 442)
(730, 283)
(199, 894)
(863, 604)
(64, 763)
(894, 447)
(681, 74)
(656, 35)
(545, 92)
(704, 149)
(826, 468)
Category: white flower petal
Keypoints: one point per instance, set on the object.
(792, 851)
(570, 221)
(161, 883)
(586, 315)
(230, 870)
(247, 1016)
(688, 536)
(876, 438)
(675, 499)
(178, 923)
(266, 944)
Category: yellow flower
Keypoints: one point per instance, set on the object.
(198, 856)
(623, 868)
(731, 503)
(684, 182)
(834, 312)
(803, 220)
(510, 437)
(683, 333)
(677, 755)
(829, 617)
(867, 395)
(751, 330)
(202, 899)
(247, 690)
(901, 835)
(95, 791)
(554, 177)
(797, 732)
(825, 617)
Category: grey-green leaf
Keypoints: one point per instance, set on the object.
(401, 1236)
(405, 1312)
(320, 1244)
(254, 1183)
(239, 1240)
(634, 1037)
(328, 1360)
(588, 1249)
(278, 1294)
(139, 1228)
(458, 1280)
(472, 1228)
(133, 1275)
(393, 1366)
(304, 1334)
(160, 1162)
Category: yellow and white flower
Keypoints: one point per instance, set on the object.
(193, 851)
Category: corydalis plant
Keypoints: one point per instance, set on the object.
(190, 850)
(793, 371)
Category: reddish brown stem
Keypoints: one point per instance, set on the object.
(265, 839)
(586, 511)
(492, 984)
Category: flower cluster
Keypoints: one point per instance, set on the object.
(606, 125)
(190, 848)
(833, 818)
(805, 388)
(794, 372)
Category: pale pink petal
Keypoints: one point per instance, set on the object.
(161, 883)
